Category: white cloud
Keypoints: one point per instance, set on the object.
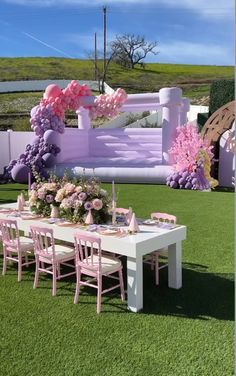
(209, 9)
(85, 41)
(180, 51)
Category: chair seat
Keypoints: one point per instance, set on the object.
(108, 264)
(61, 252)
(26, 245)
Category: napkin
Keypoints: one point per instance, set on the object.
(89, 218)
(22, 198)
(20, 205)
(133, 226)
(129, 215)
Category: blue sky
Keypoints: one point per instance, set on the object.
(187, 31)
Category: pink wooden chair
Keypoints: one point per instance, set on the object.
(153, 259)
(91, 262)
(122, 211)
(46, 252)
(15, 247)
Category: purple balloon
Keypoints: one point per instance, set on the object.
(49, 160)
(188, 185)
(51, 137)
(20, 172)
(173, 184)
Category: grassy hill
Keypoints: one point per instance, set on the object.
(193, 79)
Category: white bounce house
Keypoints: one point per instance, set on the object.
(131, 155)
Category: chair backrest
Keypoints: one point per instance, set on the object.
(86, 248)
(10, 233)
(164, 217)
(127, 213)
(43, 239)
(122, 211)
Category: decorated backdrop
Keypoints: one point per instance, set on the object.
(48, 122)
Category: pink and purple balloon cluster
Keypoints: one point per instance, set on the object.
(108, 105)
(47, 121)
(68, 98)
(193, 178)
(44, 118)
(38, 155)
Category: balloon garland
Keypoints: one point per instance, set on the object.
(47, 121)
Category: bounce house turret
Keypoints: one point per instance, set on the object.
(171, 101)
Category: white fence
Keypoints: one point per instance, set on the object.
(40, 85)
(12, 144)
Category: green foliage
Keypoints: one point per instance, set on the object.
(201, 119)
(222, 92)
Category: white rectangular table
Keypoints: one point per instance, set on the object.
(134, 247)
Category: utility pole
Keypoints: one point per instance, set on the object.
(95, 58)
(105, 39)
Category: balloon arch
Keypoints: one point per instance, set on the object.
(48, 121)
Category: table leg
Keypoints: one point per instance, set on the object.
(135, 283)
(175, 265)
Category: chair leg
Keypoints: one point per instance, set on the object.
(77, 289)
(19, 267)
(58, 270)
(152, 261)
(54, 279)
(36, 277)
(4, 267)
(122, 290)
(156, 269)
(26, 260)
(99, 294)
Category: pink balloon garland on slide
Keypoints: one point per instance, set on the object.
(47, 121)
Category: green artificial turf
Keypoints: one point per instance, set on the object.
(186, 332)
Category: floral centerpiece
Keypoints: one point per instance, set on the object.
(74, 199)
(42, 196)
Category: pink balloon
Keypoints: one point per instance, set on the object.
(52, 91)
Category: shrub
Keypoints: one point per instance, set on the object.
(201, 119)
(221, 92)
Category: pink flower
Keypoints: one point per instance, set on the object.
(69, 188)
(97, 204)
(82, 196)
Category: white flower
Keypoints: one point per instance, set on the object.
(78, 189)
(103, 192)
(60, 195)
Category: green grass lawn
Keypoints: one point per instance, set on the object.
(186, 332)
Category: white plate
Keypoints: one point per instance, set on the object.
(30, 216)
(149, 222)
(6, 210)
(108, 232)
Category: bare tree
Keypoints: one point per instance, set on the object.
(130, 50)
(98, 65)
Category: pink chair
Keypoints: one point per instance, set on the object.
(91, 262)
(46, 252)
(15, 247)
(153, 259)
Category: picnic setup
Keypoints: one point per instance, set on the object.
(66, 202)
(100, 218)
